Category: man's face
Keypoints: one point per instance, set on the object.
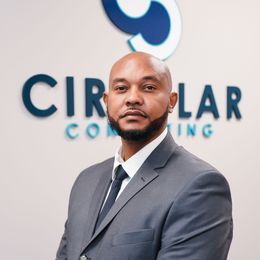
(139, 97)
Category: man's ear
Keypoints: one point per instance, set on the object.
(172, 101)
(105, 98)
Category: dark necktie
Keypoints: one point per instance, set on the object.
(116, 185)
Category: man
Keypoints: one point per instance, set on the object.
(154, 199)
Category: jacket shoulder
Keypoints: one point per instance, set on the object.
(186, 162)
(184, 168)
(92, 174)
(97, 168)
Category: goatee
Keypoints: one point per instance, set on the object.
(139, 135)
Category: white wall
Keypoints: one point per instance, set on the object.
(219, 46)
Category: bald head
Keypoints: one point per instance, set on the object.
(139, 98)
(139, 60)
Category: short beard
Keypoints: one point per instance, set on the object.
(139, 135)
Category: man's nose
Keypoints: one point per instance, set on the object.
(134, 97)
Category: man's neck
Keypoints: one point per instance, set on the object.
(129, 148)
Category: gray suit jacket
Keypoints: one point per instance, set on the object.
(176, 207)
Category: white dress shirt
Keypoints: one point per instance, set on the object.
(132, 165)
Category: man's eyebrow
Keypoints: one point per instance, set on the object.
(152, 78)
(118, 80)
(145, 78)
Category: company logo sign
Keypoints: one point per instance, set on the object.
(154, 24)
(94, 89)
(156, 28)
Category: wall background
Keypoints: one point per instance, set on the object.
(219, 46)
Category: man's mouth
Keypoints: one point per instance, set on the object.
(134, 113)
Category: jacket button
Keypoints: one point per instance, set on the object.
(84, 257)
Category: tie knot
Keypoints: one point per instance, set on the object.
(120, 174)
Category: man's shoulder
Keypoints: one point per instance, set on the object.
(184, 171)
(97, 169)
(184, 167)
(186, 160)
(90, 176)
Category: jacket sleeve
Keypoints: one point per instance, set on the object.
(62, 250)
(199, 223)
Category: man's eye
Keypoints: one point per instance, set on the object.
(149, 87)
(120, 88)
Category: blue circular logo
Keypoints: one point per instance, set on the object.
(154, 24)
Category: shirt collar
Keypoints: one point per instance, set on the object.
(132, 165)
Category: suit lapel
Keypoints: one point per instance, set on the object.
(96, 203)
(142, 178)
(146, 174)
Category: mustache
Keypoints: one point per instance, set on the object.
(134, 111)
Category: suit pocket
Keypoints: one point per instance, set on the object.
(133, 237)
